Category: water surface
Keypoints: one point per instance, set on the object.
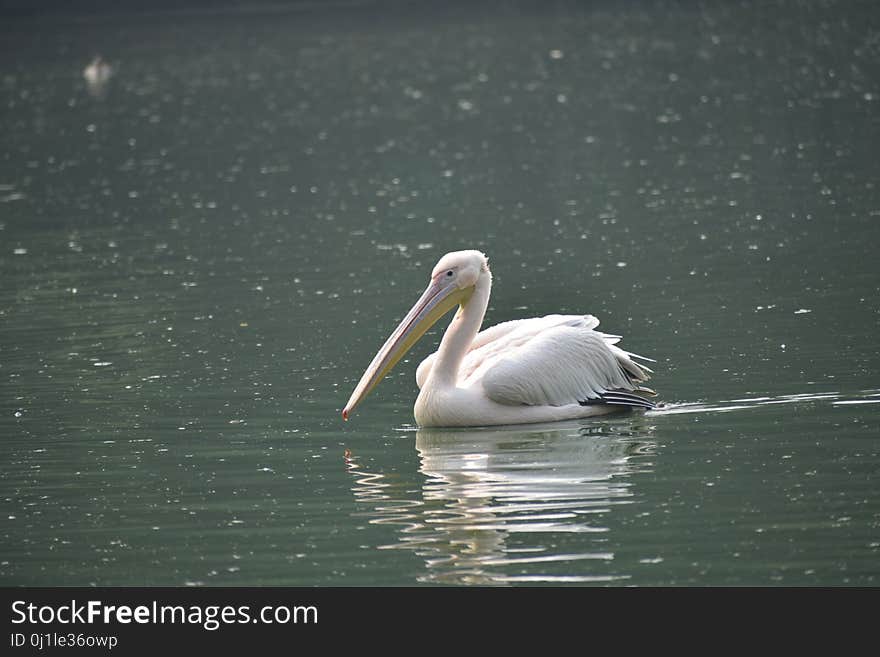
(199, 257)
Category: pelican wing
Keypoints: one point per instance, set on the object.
(565, 363)
(497, 340)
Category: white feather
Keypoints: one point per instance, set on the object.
(561, 365)
(499, 339)
(553, 360)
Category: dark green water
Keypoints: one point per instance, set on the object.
(198, 259)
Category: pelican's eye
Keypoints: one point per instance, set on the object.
(449, 273)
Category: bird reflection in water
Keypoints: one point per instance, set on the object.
(519, 504)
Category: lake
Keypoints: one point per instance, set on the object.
(200, 254)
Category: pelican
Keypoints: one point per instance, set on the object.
(523, 371)
(97, 74)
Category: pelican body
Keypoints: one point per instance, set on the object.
(97, 74)
(524, 371)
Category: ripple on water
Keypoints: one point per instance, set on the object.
(497, 505)
(751, 403)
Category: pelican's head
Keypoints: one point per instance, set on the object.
(452, 284)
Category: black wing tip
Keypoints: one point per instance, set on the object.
(620, 398)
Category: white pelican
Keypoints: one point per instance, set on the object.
(523, 371)
(97, 74)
